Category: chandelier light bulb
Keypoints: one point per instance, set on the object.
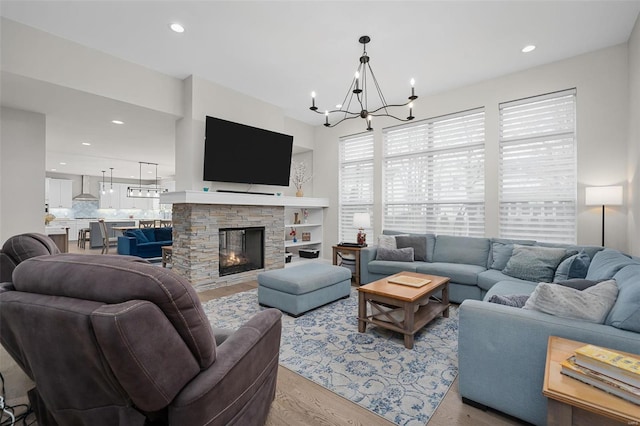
(412, 82)
(313, 94)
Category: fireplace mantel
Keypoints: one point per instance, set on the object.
(225, 198)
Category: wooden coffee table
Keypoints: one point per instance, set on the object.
(404, 299)
(572, 402)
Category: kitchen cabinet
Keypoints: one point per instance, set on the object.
(59, 193)
(108, 199)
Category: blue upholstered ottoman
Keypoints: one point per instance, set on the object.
(299, 289)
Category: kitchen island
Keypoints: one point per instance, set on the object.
(96, 236)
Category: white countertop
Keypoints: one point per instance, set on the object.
(201, 197)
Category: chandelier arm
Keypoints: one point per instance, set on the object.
(379, 90)
(390, 106)
(390, 115)
(346, 118)
(338, 110)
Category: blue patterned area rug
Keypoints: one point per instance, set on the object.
(372, 369)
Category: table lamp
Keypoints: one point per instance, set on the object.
(361, 221)
(603, 196)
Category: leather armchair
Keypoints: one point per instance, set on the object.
(115, 340)
(22, 247)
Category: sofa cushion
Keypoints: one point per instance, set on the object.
(486, 279)
(458, 273)
(388, 267)
(396, 255)
(501, 250)
(164, 234)
(468, 250)
(417, 242)
(534, 263)
(592, 304)
(606, 263)
(150, 233)
(625, 314)
(575, 266)
(138, 235)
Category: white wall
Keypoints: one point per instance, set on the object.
(634, 141)
(202, 98)
(601, 79)
(22, 164)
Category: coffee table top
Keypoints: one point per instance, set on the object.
(406, 293)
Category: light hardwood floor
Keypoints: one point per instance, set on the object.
(300, 401)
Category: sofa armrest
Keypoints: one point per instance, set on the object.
(367, 254)
(502, 353)
(127, 245)
(244, 372)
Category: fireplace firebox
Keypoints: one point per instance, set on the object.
(241, 250)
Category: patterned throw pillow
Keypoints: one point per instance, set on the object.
(514, 300)
(534, 263)
(575, 266)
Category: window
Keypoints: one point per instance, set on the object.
(433, 177)
(355, 183)
(538, 183)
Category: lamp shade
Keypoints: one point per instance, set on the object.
(361, 220)
(603, 196)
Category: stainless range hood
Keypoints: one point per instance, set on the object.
(85, 195)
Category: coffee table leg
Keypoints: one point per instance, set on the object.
(445, 300)
(408, 325)
(362, 312)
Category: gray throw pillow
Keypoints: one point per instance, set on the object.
(417, 242)
(592, 304)
(534, 263)
(575, 266)
(501, 253)
(397, 255)
(578, 283)
(515, 300)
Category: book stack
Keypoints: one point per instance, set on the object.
(606, 370)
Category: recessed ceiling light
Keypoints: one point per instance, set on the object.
(117, 122)
(53, 170)
(529, 48)
(63, 164)
(339, 106)
(176, 27)
(86, 144)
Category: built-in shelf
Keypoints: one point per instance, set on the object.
(313, 227)
(300, 243)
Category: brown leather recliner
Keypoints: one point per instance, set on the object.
(114, 340)
(22, 247)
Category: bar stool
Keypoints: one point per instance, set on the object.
(84, 235)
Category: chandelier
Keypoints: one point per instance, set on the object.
(359, 89)
(146, 191)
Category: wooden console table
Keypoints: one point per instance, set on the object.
(571, 402)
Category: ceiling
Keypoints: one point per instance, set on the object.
(280, 51)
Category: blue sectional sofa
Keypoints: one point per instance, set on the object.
(502, 349)
(145, 242)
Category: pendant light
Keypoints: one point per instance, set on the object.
(111, 189)
(103, 191)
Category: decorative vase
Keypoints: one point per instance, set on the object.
(295, 240)
(296, 219)
(299, 193)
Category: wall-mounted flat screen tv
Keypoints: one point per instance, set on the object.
(239, 153)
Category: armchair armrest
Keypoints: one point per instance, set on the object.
(127, 245)
(244, 373)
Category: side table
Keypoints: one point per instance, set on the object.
(356, 253)
(167, 254)
(571, 402)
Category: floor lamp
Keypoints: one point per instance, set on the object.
(603, 196)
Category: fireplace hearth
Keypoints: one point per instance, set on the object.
(241, 250)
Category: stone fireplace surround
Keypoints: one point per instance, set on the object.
(197, 217)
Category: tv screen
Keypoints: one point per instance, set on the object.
(239, 153)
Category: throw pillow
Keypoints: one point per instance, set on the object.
(150, 233)
(501, 253)
(578, 283)
(592, 304)
(534, 263)
(417, 242)
(138, 235)
(387, 242)
(515, 300)
(397, 255)
(575, 266)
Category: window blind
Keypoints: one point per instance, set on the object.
(538, 168)
(355, 183)
(433, 175)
